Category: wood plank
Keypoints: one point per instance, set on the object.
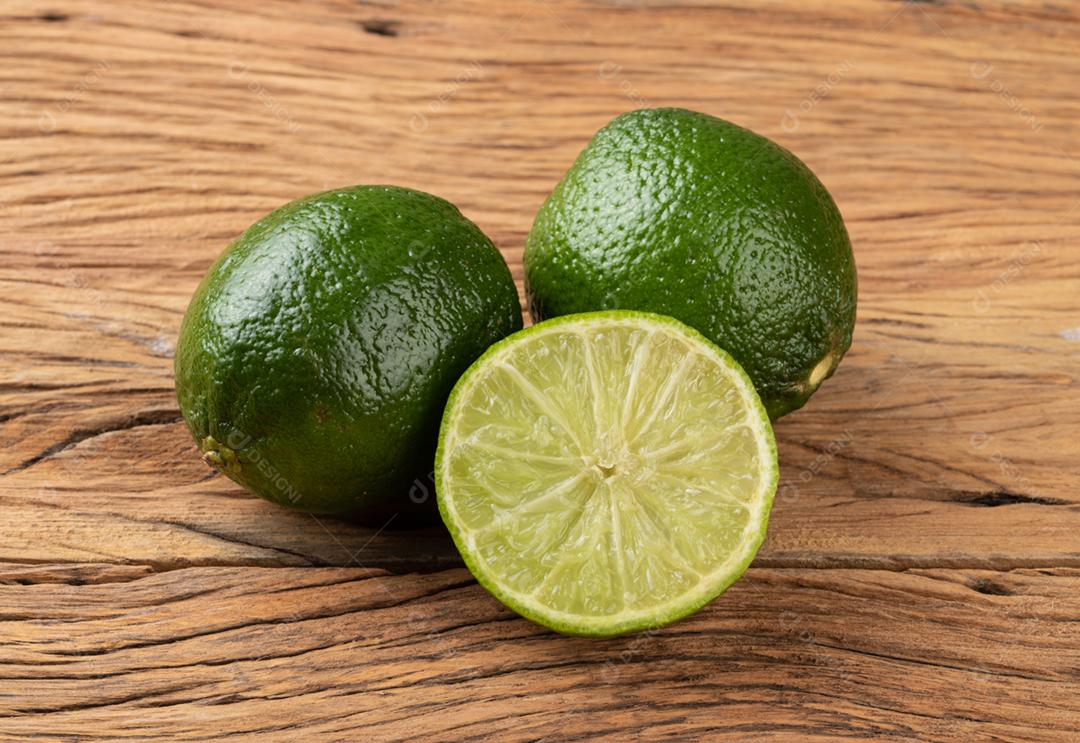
(141, 495)
(315, 652)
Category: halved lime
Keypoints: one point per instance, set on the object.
(606, 472)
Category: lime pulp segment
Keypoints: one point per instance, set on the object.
(606, 472)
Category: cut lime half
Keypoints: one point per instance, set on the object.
(606, 472)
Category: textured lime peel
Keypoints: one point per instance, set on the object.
(677, 212)
(606, 472)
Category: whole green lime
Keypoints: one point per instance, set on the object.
(317, 354)
(680, 213)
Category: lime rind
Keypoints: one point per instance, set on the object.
(685, 602)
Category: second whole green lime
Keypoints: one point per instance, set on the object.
(680, 213)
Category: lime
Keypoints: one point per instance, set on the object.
(316, 356)
(606, 472)
(677, 212)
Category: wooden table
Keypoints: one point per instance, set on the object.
(921, 578)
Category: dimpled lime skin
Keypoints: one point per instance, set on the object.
(318, 352)
(680, 213)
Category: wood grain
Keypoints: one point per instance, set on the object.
(828, 653)
(919, 580)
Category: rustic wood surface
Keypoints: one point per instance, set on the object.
(921, 577)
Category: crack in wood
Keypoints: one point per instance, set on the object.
(381, 27)
(79, 435)
(998, 498)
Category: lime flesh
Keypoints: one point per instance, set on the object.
(606, 472)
